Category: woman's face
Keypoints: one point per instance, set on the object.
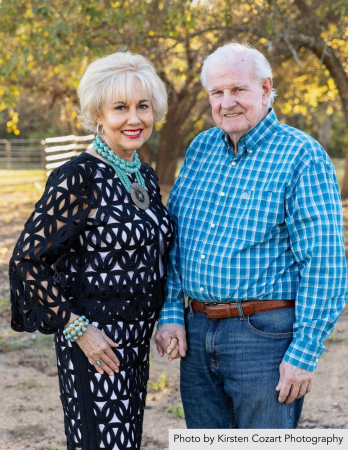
(127, 125)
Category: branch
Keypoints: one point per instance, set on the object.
(291, 48)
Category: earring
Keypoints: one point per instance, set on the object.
(98, 132)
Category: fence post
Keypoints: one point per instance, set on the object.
(8, 155)
(43, 154)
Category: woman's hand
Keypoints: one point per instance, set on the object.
(97, 346)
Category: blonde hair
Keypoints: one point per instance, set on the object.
(227, 55)
(112, 77)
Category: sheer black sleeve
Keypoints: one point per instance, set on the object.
(37, 301)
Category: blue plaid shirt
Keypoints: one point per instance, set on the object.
(265, 224)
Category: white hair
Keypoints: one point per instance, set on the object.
(112, 77)
(227, 55)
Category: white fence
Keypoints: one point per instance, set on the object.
(47, 154)
(59, 150)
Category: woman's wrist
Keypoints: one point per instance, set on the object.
(72, 318)
(76, 328)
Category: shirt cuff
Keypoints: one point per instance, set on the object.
(303, 354)
(172, 312)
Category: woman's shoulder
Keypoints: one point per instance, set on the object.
(78, 169)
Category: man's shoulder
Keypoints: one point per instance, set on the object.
(211, 133)
(208, 137)
(297, 141)
(203, 141)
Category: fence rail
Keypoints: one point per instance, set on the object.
(46, 154)
(20, 154)
(59, 150)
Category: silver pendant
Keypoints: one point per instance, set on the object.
(139, 196)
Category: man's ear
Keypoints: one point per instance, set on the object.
(267, 85)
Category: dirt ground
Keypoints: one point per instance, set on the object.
(30, 410)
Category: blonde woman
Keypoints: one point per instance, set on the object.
(90, 264)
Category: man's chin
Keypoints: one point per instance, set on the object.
(236, 130)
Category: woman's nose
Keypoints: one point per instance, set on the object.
(133, 117)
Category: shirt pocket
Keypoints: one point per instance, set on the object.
(260, 215)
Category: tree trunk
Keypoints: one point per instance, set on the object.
(344, 187)
(173, 135)
(324, 130)
(144, 153)
(169, 148)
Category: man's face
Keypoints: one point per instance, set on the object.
(238, 99)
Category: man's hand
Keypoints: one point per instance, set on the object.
(293, 382)
(171, 339)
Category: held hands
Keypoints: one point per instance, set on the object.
(171, 339)
(293, 382)
(97, 347)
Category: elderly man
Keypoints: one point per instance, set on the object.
(259, 251)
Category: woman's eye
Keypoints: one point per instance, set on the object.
(143, 106)
(119, 108)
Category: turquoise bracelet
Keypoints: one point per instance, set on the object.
(76, 329)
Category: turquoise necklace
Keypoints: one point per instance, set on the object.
(137, 190)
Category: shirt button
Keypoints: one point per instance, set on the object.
(222, 194)
(250, 151)
(202, 256)
(212, 225)
(234, 163)
(201, 289)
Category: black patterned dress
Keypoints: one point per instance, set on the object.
(89, 250)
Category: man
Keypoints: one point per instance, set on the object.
(259, 251)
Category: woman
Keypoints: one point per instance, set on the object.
(90, 264)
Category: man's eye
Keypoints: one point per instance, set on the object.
(215, 93)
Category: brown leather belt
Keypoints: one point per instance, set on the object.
(225, 310)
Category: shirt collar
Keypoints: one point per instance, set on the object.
(258, 134)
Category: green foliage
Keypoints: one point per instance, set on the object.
(177, 411)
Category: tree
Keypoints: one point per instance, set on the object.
(46, 48)
(320, 28)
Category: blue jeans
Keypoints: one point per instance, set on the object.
(231, 370)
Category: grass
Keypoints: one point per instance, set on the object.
(5, 307)
(43, 341)
(29, 383)
(29, 432)
(19, 190)
(177, 411)
(12, 346)
(12, 341)
(159, 384)
(12, 180)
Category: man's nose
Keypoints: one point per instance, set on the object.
(228, 100)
